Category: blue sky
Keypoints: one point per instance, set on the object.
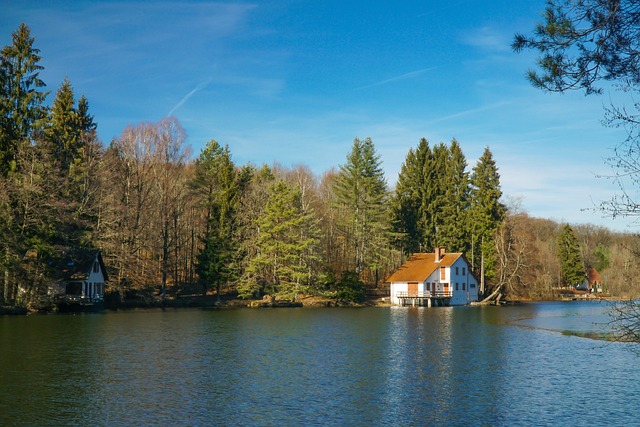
(295, 82)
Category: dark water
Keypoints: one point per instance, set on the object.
(504, 366)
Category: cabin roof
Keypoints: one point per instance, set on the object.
(593, 276)
(420, 266)
(77, 264)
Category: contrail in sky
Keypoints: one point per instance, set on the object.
(189, 95)
(405, 76)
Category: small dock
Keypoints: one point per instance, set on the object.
(424, 299)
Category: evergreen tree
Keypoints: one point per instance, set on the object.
(407, 204)
(431, 199)
(280, 246)
(20, 96)
(63, 132)
(216, 181)
(86, 123)
(71, 145)
(362, 196)
(452, 230)
(485, 212)
(571, 265)
(436, 198)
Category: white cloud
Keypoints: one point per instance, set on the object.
(487, 38)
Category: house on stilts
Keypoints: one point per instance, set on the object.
(433, 279)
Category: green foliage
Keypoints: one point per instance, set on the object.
(486, 212)
(217, 183)
(582, 42)
(21, 100)
(603, 257)
(571, 265)
(452, 231)
(410, 216)
(350, 288)
(361, 194)
(430, 204)
(282, 242)
(66, 132)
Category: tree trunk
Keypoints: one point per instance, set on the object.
(494, 295)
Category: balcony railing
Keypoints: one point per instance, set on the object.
(426, 294)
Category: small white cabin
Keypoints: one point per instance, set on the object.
(83, 277)
(436, 278)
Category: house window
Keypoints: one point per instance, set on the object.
(473, 285)
(464, 286)
(443, 273)
(456, 286)
(457, 272)
(464, 271)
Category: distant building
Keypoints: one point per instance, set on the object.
(593, 282)
(436, 278)
(81, 277)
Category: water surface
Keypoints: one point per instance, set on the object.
(363, 366)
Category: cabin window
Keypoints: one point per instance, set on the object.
(443, 273)
(456, 286)
(473, 285)
(464, 271)
(464, 286)
(457, 272)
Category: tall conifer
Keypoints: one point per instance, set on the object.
(280, 246)
(21, 97)
(486, 212)
(571, 265)
(453, 228)
(407, 203)
(361, 193)
(216, 183)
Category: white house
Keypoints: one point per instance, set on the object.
(82, 277)
(436, 278)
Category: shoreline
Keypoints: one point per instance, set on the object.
(209, 303)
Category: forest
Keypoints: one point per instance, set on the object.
(168, 220)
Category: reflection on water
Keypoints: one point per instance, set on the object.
(374, 366)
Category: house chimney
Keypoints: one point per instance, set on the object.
(436, 251)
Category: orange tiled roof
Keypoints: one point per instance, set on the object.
(420, 266)
(594, 276)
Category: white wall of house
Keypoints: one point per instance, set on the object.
(93, 287)
(395, 288)
(463, 284)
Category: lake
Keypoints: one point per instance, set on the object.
(494, 366)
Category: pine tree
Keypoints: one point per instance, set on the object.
(362, 196)
(436, 198)
(431, 199)
(70, 142)
(20, 96)
(452, 231)
(407, 203)
(86, 122)
(485, 212)
(571, 265)
(63, 132)
(216, 182)
(280, 245)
